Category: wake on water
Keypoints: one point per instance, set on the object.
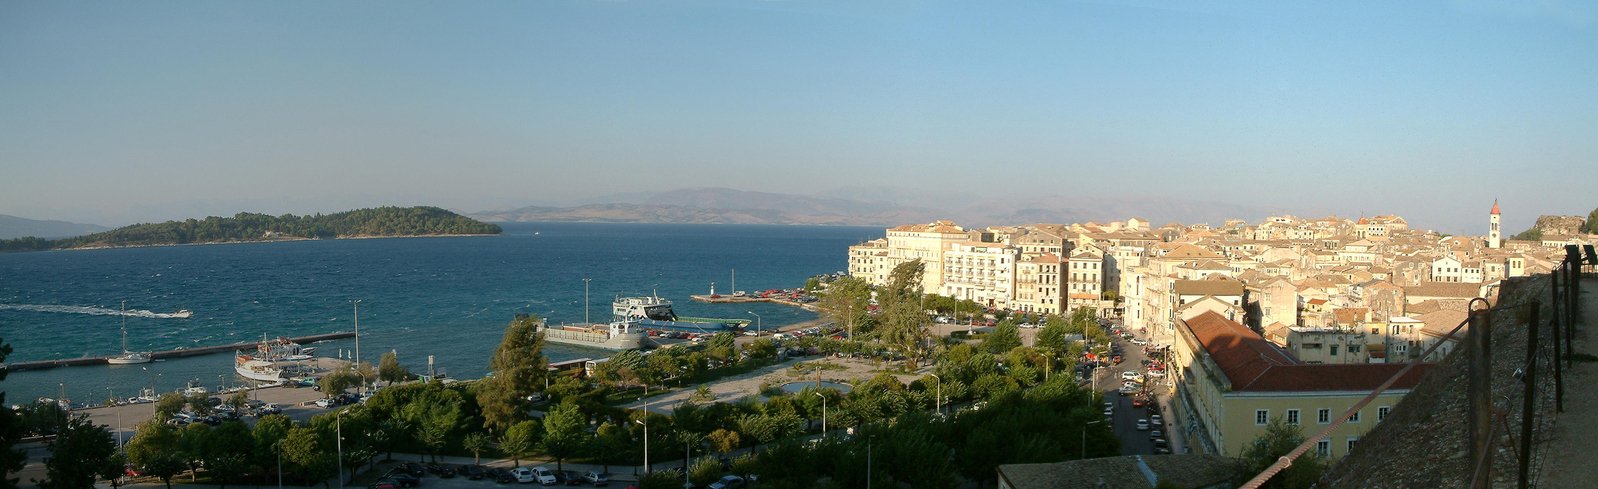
(93, 311)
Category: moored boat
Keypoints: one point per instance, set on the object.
(128, 357)
(655, 312)
(618, 335)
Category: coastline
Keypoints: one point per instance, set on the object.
(278, 240)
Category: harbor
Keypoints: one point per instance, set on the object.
(174, 353)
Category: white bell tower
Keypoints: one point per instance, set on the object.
(1494, 236)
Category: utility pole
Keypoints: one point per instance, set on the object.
(586, 305)
(357, 303)
(338, 426)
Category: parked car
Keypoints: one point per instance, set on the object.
(1132, 376)
(475, 472)
(325, 402)
(1156, 420)
(569, 477)
(523, 475)
(1156, 434)
(544, 476)
(1143, 424)
(412, 468)
(597, 478)
(728, 482)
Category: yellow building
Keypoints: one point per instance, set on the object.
(1230, 383)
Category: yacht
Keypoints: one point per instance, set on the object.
(128, 357)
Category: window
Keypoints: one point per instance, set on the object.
(1351, 441)
(1323, 448)
(1261, 416)
(1354, 418)
(1292, 416)
(1323, 416)
(1334, 349)
(1381, 413)
(1353, 348)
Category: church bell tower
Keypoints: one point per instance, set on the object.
(1494, 236)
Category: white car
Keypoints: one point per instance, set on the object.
(544, 476)
(523, 474)
(1156, 421)
(1132, 376)
(1142, 425)
(1139, 341)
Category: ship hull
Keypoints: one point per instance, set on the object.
(621, 341)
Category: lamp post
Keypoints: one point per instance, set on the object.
(1085, 436)
(279, 446)
(851, 321)
(939, 399)
(357, 304)
(645, 422)
(338, 426)
(757, 321)
(823, 414)
(868, 459)
(585, 301)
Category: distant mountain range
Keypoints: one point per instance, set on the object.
(17, 227)
(874, 207)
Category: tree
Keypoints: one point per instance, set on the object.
(338, 381)
(518, 441)
(903, 320)
(11, 432)
(192, 444)
(303, 448)
(198, 403)
(169, 404)
(519, 369)
(610, 443)
(723, 441)
(1591, 226)
(1052, 336)
(78, 455)
(389, 369)
(477, 443)
(228, 451)
(565, 432)
(267, 437)
(238, 401)
(1279, 439)
(1005, 337)
(154, 448)
(846, 303)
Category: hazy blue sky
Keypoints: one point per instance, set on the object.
(112, 112)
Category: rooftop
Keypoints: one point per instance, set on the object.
(1252, 364)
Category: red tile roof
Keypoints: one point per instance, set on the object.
(1254, 365)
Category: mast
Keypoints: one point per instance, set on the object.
(124, 327)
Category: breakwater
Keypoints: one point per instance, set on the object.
(175, 353)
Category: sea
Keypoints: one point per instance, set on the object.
(444, 298)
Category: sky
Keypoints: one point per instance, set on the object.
(118, 112)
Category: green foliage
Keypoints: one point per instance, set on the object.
(381, 221)
(228, 452)
(1279, 439)
(155, 448)
(477, 443)
(169, 404)
(389, 369)
(704, 471)
(1535, 233)
(41, 418)
(519, 369)
(1004, 338)
(304, 450)
(1052, 336)
(268, 433)
(11, 432)
(846, 302)
(338, 381)
(518, 441)
(78, 455)
(565, 432)
(1591, 226)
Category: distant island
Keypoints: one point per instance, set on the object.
(248, 227)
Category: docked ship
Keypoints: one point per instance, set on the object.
(618, 335)
(264, 364)
(654, 312)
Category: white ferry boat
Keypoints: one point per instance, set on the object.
(618, 335)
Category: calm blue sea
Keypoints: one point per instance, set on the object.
(446, 297)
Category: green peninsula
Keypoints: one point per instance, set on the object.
(248, 227)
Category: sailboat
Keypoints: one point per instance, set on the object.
(128, 357)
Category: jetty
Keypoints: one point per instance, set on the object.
(174, 353)
(729, 299)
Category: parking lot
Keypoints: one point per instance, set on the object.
(432, 474)
(1124, 418)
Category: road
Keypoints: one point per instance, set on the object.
(1125, 417)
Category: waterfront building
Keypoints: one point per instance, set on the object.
(980, 272)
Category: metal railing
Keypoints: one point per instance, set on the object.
(1481, 431)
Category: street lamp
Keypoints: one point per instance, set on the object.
(585, 301)
(823, 413)
(357, 303)
(338, 426)
(939, 400)
(1085, 436)
(757, 321)
(645, 422)
(869, 439)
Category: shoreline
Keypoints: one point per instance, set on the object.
(253, 241)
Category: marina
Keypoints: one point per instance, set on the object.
(175, 353)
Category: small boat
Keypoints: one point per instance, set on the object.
(128, 357)
(263, 363)
(194, 388)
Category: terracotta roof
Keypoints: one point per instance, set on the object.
(1440, 322)
(1255, 365)
(1350, 315)
(1209, 287)
(1495, 207)
(1443, 289)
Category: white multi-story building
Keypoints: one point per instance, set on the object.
(980, 272)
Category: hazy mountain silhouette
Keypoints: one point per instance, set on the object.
(18, 227)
